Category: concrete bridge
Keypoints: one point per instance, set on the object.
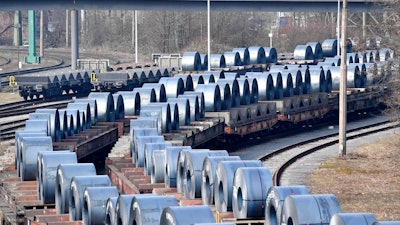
(225, 5)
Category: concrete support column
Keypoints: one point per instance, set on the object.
(32, 57)
(74, 39)
(17, 29)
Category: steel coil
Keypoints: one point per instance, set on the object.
(276, 68)
(271, 55)
(224, 176)
(78, 186)
(124, 203)
(303, 52)
(161, 94)
(214, 223)
(353, 218)
(191, 61)
(17, 154)
(208, 78)
(244, 55)
(231, 75)
(217, 74)
(105, 106)
(328, 81)
(41, 117)
(180, 169)
(166, 119)
(335, 60)
(200, 96)
(274, 202)
(54, 122)
(174, 115)
(82, 117)
(179, 215)
(362, 57)
(309, 209)
(94, 204)
(351, 58)
(131, 102)
(329, 47)
(65, 173)
(147, 209)
(154, 116)
(141, 122)
(193, 105)
(372, 55)
(174, 86)
(158, 166)
(30, 147)
(171, 164)
(234, 93)
(37, 126)
(244, 90)
(316, 49)
(217, 61)
(193, 165)
(265, 85)
(278, 85)
(111, 211)
(149, 148)
(297, 81)
(187, 81)
(84, 109)
(232, 59)
(226, 97)
(197, 79)
(212, 97)
(257, 55)
(183, 110)
(146, 95)
(253, 86)
(354, 77)
(317, 78)
(64, 128)
(119, 107)
(208, 176)
(48, 162)
(75, 122)
(250, 186)
(204, 61)
(384, 54)
(93, 108)
(141, 142)
(305, 74)
(287, 83)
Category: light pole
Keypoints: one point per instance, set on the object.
(338, 28)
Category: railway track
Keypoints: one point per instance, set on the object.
(284, 157)
(14, 115)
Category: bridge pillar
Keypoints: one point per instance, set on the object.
(74, 39)
(17, 29)
(31, 57)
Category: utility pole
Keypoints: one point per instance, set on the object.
(41, 50)
(208, 36)
(343, 86)
(66, 28)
